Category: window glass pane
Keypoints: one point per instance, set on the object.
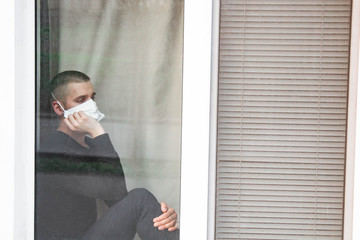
(282, 109)
(100, 173)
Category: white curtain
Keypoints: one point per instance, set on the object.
(132, 51)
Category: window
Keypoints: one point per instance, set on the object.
(197, 29)
(282, 105)
(137, 77)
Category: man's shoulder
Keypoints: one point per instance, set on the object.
(57, 143)
(60, 153)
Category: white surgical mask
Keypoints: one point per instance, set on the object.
(89, 108)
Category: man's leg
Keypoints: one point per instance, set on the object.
(133, 214)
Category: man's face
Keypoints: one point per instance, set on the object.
(78, 93)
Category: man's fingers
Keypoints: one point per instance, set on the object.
(76, 120)
(82, 115)
(76, 116)
(170, 229)
(80, 122)
(167, 220)
(68, 124)
(72, 120)
(164, 215)
(164, 207)
(168, 225)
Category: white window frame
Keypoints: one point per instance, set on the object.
(195, 119)
(24, 144)
(195, 134)
(197, 170)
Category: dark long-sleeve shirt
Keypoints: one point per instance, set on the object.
(69, 179)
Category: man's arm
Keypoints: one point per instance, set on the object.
(107, 187)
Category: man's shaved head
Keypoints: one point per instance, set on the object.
(60, 81)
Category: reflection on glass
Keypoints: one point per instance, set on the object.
(109, 119)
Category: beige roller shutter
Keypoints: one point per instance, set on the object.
(283, 75)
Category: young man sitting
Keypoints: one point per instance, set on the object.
(78, 166)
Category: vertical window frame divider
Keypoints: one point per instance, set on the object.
(196, 104)
(351, 209)
(215, 43)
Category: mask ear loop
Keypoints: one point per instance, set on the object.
(58, 102)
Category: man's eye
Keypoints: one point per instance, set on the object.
(81, 100)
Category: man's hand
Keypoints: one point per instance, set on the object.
(167, 220)
(82, 123)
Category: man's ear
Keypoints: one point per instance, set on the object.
(57, 109)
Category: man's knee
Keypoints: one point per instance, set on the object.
(141, 194)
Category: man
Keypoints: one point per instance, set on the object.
(78, 166)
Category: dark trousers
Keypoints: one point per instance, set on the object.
(133, 214)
